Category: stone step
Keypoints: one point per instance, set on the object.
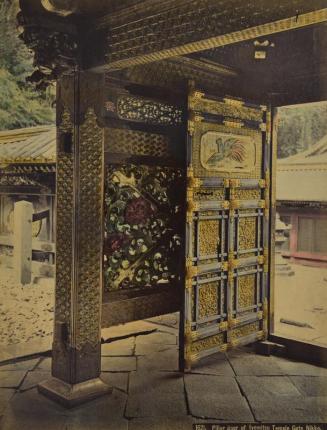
(269, 348)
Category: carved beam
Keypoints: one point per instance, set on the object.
(152, 30)
(173, 72)
(146, 35)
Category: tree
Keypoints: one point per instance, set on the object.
(20, 104)
(300, 127)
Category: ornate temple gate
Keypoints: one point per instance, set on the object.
(227, 234)
(133, 140)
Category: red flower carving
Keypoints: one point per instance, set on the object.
(138, 211)
(114, 242)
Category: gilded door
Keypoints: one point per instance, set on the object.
(227, 230)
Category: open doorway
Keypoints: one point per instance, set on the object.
(300, 290)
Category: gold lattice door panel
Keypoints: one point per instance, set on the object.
(227, 229)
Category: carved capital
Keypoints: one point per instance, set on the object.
(60, 7)
(54, 43)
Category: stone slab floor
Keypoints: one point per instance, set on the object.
(140, 362)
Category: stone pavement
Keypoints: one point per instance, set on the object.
(140, 362)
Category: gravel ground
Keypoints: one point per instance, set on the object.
(26, 312)
(302, 298)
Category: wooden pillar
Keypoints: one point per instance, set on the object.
(76, 353)
(23, 212)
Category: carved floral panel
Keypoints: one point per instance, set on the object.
(142, 226)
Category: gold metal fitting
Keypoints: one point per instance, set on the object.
(260, 335)
(224, 266)
(261, 259)
(260, 315)
(190, 127)
(194, 118)
(188, 284)
(223, 325)
(194, 97)
(223, 347)
(189, 217)
(233, 322)
(226, 183)
(233, 263)
(234, 342)
(189, 194)
(192, 206)
(225, 204)
(191, 272)
(191, 336)
(262, 204)
(231, 278)
(191, 358)
(234, 204)
(233, 124)
(233, 102)
(262, 183)
(235, 183)
(190, 171)
(192, 182)
(263, 126)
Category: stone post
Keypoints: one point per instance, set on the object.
(282, 267)
(76, 353)
(23, 212)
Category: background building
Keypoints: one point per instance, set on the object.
(302, 202)
(27, 163)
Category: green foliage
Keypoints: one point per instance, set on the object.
(300, 127)
(20, 104)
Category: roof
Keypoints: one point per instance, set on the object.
(303, 177)
(28, 145)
